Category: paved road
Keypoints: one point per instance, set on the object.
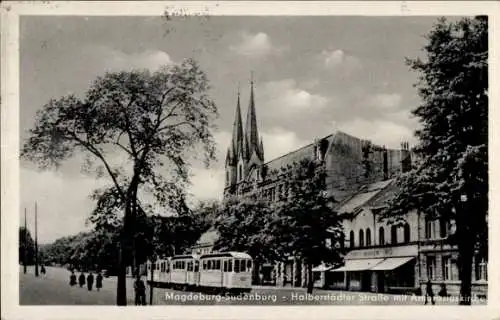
(53, 289)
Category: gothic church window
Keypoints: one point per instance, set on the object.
(406, 233)
(394, 235)
(381, 236)
(361, 238)
(351, 239)
(368, 237)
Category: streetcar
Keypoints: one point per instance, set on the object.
(215, 272)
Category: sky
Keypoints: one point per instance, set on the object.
(312, 75)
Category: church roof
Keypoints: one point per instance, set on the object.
(306, 152)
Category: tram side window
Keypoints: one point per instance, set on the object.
(249, 264)
(217, 265)
(204, 265)
(230, 266)
(225, 265)
(242, 266)
(236, 265)
(196, 266)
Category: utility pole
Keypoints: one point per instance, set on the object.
(36, 240)
(25, 251)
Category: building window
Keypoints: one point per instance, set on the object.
(406, 232)
(351, 239)
(443, 228)
(394, 235)
(429, 229)
(431, 267)
(361, 238)
(368, 237)
(481, 269)
(446, 261)
(240, 175)
(381, 236)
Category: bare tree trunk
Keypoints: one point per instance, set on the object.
(310, 280)
(121, 288)
(466, 252)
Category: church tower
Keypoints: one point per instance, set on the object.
(245, 151)
(235, 149)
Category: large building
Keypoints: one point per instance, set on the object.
(381, 257)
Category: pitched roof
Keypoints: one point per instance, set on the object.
(305, 152)
(363, 197)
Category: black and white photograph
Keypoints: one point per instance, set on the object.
(189, 157)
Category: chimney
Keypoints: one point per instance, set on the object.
(386, 164)
(405, 157)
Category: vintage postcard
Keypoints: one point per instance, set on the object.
(249, 159)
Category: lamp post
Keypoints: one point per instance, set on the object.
(25, 251)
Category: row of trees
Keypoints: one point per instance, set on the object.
(301, 225)
(156, 122)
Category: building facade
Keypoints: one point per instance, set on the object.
(381, 257)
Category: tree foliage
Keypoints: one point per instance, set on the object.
(26, 243)
(451, 181)
(141, 129)
(244, 224)
(305, 221)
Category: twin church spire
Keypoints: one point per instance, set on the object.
(245, 149)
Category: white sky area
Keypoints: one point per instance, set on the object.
(313, 75)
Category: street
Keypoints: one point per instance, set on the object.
(53, 289)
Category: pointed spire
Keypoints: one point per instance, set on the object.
(237, 139)
(261, 149)
(251, 133)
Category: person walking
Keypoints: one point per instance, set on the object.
(72, 278)
(140, 291)
(98, 281)
(90, 281)
(42, 269)
(429, 292)
(81, 279)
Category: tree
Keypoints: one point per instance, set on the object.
(244, 225)
(155, 121)
(26, 247)
(305, 221)
(451, 181)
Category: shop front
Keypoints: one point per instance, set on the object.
(388, 269)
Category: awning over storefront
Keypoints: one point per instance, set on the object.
(391, 263)
(358, 265)
(321, 268)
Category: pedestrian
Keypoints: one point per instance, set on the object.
(81, 279)
(98, 281)
(72, 278)
(443, 292)
(140, 291)
(429, 292)
(90, 281)
(42, 269)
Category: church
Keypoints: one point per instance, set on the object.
(381, 257)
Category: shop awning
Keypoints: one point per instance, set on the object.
(358, 265)
(391, 263)
(321, 268)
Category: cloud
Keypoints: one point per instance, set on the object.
(340, 61)
(117, 60)
(278, 142)
(387, 101)
(285, 98)
(379, 131)
(256, 45)
(207, 184)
